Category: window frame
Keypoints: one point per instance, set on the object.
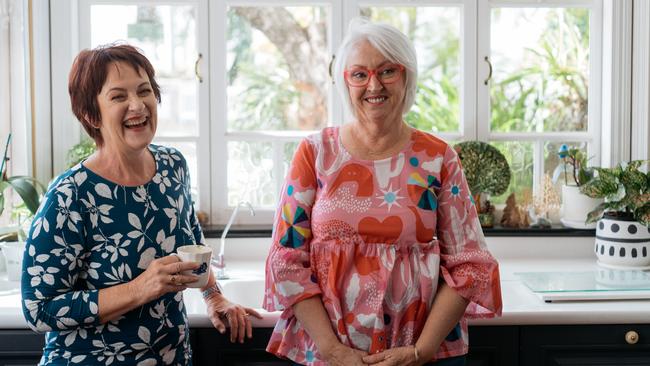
(592, 135)
(202, 139)
(213, 136)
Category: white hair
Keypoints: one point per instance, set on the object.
(391, 43)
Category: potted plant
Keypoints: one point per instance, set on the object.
(487, 173)
(13, 237)
(575, 205)
(623, 229)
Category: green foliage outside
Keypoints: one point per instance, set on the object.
(553, 94)
(550, 91)
(80, 151)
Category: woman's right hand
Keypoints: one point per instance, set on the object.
(340, 354)
(163, 275)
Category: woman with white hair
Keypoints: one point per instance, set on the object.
(378, 256)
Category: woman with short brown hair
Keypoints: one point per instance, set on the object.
(99, 275)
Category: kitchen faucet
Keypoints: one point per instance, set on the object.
(219, 262)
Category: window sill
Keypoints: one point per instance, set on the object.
(264, 231)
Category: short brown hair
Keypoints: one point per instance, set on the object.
(88, 75)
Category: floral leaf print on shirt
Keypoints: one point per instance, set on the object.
(141, 195)
(162, 180)
(90, 234)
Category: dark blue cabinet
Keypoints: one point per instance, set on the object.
(585, 345)
(20, 347)
(547, 345)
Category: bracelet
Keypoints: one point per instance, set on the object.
(214, 289)
(416, 353)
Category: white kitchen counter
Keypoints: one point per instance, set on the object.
(520, 305)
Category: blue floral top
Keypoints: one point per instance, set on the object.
(91, 233)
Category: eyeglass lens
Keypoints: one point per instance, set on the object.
(385, 74)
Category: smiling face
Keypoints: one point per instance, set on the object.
(128, 109)
(375, 101)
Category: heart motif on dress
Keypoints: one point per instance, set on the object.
(387, 231)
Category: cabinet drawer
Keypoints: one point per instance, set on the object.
(602, 345)
(20, 347)
(20, 340)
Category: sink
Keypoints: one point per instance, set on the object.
(248, 292)
(8, 287)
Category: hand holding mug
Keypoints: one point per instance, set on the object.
(201, 255)
(163, 275)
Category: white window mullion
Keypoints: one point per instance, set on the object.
(203, 154)
(218, 111)
(469, 52)
(594, 109)
(545, 136)
(641, 81)
(66, 130)
(616, 87)
(335, 36)
(278, 166)
(538, 166)
(483, 71)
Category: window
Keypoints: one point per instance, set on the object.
(543, 90)
(169, 36)
(265, 82)
(277, 89)
(14, 93)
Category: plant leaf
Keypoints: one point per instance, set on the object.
(594, 215)
(643, 215)
(26, 189)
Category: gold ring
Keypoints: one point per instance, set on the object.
(173, 280)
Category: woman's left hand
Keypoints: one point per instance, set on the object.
(402, 356)
(220, 311)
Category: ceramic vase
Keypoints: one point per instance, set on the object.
(622, 243)
(576, 206)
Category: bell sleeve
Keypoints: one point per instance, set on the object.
(289, 277)
(466, 264)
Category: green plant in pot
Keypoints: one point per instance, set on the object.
(623, 228)
(487, 173)
(12, 237)
(27, 188)
(575, 205)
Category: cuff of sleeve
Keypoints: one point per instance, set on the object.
(474, 276)
(283, 295)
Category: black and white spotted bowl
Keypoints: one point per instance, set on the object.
(622, 243)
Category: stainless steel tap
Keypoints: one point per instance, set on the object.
(219, 263)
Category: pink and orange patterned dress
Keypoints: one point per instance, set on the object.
(373, 239)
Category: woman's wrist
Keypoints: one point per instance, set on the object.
(425, 352)
(326, 347)
(416, 354)
(211, 291)
(137, 296)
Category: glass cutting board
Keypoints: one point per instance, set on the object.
(599, 284)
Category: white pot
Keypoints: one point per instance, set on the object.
(13, 252)
(576, 206)
(622, 243)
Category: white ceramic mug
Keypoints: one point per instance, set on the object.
(13, 253)
(201, 254)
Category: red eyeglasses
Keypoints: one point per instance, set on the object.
(360, 76)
